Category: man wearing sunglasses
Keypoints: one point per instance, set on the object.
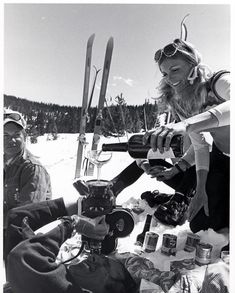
(25, 179)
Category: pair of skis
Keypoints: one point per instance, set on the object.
(85, 107)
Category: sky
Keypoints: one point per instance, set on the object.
(45, 46)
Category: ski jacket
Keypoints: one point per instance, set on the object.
(32, 266)
(25, 181)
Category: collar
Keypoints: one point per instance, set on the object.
(11, 161)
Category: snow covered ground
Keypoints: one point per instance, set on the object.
(59, 157)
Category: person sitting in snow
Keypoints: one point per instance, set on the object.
(200, 102)
(25, 179)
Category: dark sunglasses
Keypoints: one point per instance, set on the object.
(168, 51)
(14, 116)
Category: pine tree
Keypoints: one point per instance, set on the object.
(40, 122)
(138, 124)
(52, 132)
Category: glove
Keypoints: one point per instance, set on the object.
(95, 228)
(155, 197)
(174, 211)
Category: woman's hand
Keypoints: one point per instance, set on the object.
(162, 173)
(95, 228)
(161, 137)
(199, 200)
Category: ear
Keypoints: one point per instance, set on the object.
(193, 74)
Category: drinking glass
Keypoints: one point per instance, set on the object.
(99, 158)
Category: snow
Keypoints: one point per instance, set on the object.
(59, 157)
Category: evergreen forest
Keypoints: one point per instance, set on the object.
(117, 117)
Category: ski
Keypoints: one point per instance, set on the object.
(84, 111)
(104, 82)
(93, 86)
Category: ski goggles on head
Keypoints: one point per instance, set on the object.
(14, 117)
(170, 50)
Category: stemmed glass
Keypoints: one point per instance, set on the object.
(99, 158)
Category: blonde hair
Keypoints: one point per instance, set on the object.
(194, 94)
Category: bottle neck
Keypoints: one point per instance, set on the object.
(115, 147)
(147, 223)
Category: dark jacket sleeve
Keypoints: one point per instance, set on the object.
(32, 267)
(127, 177)
(38, 214)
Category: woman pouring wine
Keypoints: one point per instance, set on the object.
(201, 102)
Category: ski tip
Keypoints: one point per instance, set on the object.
(91, 38)
(110, 40)
(110, 43)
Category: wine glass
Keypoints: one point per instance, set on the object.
(99, 158)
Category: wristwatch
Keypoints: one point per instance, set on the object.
(182, 165)
(178, 167)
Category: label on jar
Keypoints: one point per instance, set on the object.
(191, 242)
(203, 253)
(150, 241)
(169, 242)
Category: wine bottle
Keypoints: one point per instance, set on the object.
(138, 150)
(140, 237)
